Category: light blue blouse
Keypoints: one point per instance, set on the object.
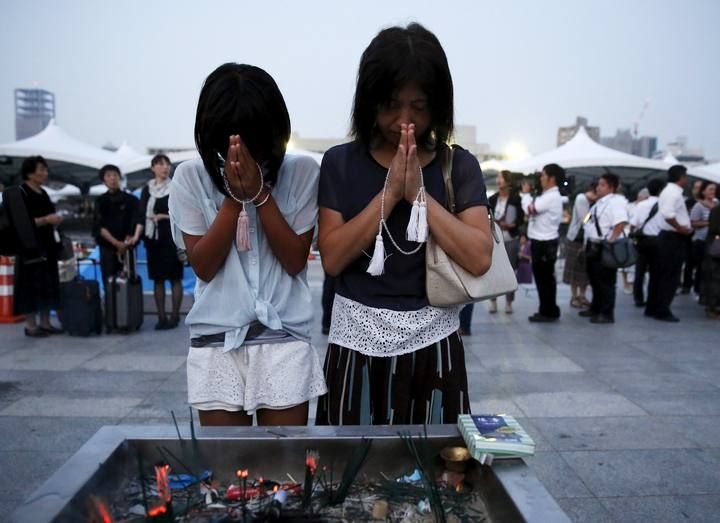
(250, 286)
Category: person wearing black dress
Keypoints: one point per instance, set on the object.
(115, 224)
(37, 285)
(162, 256)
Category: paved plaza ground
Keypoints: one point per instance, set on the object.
(626, 417)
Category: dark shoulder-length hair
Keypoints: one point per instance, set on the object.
(241, 99)
(396, 57)
(30, 164)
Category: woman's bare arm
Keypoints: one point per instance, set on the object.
(289, 248)
(465, 237)
(208, 253)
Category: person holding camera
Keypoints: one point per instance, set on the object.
(607, 221)
(545, 214)
(115, 224)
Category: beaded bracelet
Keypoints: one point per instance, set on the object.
(240, 200)
(242, 230)
(267, 197)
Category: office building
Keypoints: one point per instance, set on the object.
(565, 134)
(624, 141)
(34, 108)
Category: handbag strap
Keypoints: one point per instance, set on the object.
(597, 221)
(450, 191)
(653, 212)
(447, 178)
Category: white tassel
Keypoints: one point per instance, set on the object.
(412, 228)
(377, 263)
(422, 227)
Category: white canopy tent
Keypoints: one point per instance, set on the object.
(130, 160)
(580, 152)
(53, 143)
(57, 194)
(98, 189)
(707, 172)
(670, 159)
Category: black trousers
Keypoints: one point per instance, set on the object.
(328, 296)
(110, 265)
(665, 273)
(691, 269)
(544, 256)
(466, 317)
(602, 281)
(647, 252)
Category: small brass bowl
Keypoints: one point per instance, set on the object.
(455, 458)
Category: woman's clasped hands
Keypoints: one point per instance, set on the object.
(404, 180)
(241, 170)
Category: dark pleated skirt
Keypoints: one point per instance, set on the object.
(427, 386)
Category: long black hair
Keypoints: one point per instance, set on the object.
(241, 99)
(396, 57)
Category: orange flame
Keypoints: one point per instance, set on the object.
(102, 511)
(156, 511)
(242, 473)
(311, 462)
(163, 484)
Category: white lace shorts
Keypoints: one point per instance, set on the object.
(271, 376)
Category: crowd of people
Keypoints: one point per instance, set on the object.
(245, 214)
(668, 232)
(120, 221)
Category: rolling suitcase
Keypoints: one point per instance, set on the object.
(80, 312)
(124, 298)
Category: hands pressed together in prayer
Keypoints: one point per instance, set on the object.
(405, 173)
(241, 170)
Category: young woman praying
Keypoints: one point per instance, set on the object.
(392, 357)
(245, 212)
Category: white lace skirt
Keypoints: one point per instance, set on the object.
(270, 376)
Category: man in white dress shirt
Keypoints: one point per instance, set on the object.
(608, 218)
(545, 213)
(646, 232)
(673, 221)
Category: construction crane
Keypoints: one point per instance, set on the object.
(646, 104)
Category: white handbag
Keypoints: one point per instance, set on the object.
(447, 283)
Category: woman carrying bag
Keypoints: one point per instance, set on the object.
(508, 214)
(392, 357)
(506, 208)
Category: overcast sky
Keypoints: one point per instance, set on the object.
(132, 70)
